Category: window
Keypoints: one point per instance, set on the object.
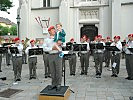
(46, 3)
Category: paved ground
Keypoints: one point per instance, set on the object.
(85, 87)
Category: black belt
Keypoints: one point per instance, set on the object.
(46, 52)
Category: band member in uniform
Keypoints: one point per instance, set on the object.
(107, 53)
(32, 60)
(72, 59)
(84, 59)
(8, 56)
(60, 34)
(17, 60)
(98, 57)
(129, 57)
(115, 59)
(55, 62)
(0, 57)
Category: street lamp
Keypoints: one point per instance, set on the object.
(18, 22)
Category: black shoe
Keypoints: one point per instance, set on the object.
(46, 76)
(8, 64)
(130, 79)
(30, 78)
(18, 80)
(73, 74)
(58, 88)
(113, 75)
(116, 75)
(51, 87)
(49, 76)
(34, 77)
(0, 70)
(127, 78)
(82, 73)
(85, 73)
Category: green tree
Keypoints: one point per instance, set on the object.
(5, 5)
(4, 30)
(13, 30)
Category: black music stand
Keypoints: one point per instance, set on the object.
(96, 46)
(35, 51)
(68, 47)
(14, 50)
(66, 57)
(80, 47)
(112, 48)
(130, 49)
(6, 44)
(3, 50)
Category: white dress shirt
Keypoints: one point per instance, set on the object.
(48, 45)
(130, 45)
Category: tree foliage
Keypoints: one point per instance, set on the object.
(5, 5)
(6, 30)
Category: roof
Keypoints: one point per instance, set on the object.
(6, 21)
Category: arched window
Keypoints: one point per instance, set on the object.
(46, 3)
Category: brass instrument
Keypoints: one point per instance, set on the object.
(25, 45)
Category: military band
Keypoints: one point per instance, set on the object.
(53, 61)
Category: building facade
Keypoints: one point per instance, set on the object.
(78, 17)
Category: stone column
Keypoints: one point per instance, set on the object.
(116, 17)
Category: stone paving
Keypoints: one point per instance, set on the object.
(85, 87)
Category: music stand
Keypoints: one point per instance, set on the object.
(6, 44)
(96, 46)
(130, 49)
(80, 47)
(3, 50)
(14, 50)
(112, 48)
(65, 57)
(35, 51)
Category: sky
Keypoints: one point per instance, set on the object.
(13, 12)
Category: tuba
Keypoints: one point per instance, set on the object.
(25, 45)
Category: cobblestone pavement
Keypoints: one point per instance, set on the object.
(85, 87)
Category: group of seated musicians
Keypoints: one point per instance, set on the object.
(53, 62)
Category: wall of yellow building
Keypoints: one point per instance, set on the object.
(5, 25)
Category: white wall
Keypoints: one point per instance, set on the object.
(105, 22)
(36, 3)
(55, 3)
(127, 20)
(36, 30)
